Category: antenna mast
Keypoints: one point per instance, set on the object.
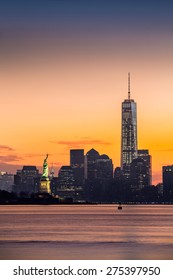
(52, 171)
(129, 85)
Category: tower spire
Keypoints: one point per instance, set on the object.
(129, 85)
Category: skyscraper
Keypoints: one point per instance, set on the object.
(91, 158)
(77, 164)
(144, 154)
(99, 175)
(65, 186)
(24, 179)
(138, 174)
(66, 178)
(128, 133)
(167, 173)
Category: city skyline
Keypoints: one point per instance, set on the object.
(64, 76)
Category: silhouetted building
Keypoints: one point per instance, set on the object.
(27, 174)
(66, 187)
(91, 158)
(91, 183)
(24, 180)
(77, 164)
(128, 133)
(167, 173)
(66, 178)
(104, 168)
(54, 185)
(159, 187)
(118, 173)
(52, 173)
(6, 181)
(99, 174)
(138, 174)
(144, 154)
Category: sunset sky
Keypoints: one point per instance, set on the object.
(63, 75)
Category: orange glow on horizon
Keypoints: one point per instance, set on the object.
(51, 99)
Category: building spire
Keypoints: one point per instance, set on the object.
(129, 85)
(52, 171)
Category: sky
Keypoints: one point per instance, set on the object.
(64, 72)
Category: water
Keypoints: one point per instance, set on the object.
(86, 232)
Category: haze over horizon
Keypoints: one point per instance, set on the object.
(64, 67)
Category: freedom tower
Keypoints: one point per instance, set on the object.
(128, 133)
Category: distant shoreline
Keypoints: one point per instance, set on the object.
(80, 203)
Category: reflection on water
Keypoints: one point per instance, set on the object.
(86, 232)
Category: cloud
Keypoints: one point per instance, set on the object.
(10, 158)
(9, 168)
(30, 155)
(56, 164)
(80, 143)
(7, 148)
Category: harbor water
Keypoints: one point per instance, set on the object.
(86, 232)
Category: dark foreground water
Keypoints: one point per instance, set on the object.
(86, 232)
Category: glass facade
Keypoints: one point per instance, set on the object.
(128, 135)
(144, 154)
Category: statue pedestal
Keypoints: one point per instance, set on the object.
(44, 185)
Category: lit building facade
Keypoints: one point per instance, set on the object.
(128, 133)
(144, 154)
(138, 174)
(66, 187)
(66, 178)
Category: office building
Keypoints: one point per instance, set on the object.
(138, 174)
(104, 168)
(99, 175)
(91, 168)
(167, 173)
(128, 133)
(144, 154)
(65, 178)
(77, 165)
(24, 179)
(66, 187)
(6, 181)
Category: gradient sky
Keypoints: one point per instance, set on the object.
(63, 76)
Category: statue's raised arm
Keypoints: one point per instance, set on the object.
(45, 168)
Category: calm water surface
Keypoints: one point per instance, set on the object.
(86, 232)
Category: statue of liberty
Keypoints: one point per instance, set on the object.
(45, 168)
